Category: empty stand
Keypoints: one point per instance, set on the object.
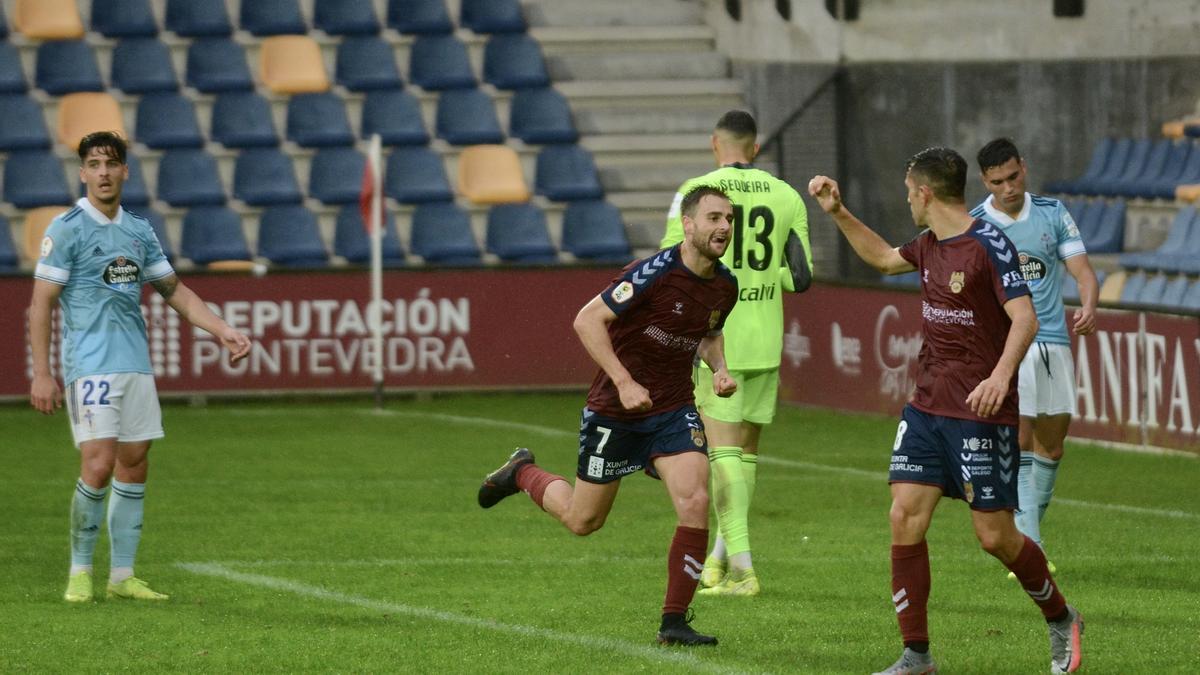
(491, 174)
(593, 230)
(242, 119)
(1100, 158)
(1151, 291)
(24, 126)
(1110, 290)
(135, 194)
(82, 113)
(272, 17)
(1131, 291)
(3, 23)
(440, 62)
(366, 63)
(198, 18)
(318, 120)
(188, 177)
(12, 76)
(168, 121)
(67, 66)
(159, 224)
(514, 61)
(1163, 186)
(350, 239)
(34, 228)
(212, 233)
(265, 177)
(9, 260)
(292, 64)
(335, 176)
(415, 175)
(1118, 157)
(345, 17)
(123, 18)
(419, 17)
(567, 173)
(35, 178)
(492, 16)
(1109, 233)
(541, 116)
(143, 66)
(1182, 236)
(518, 233)
(467, 117)
(441, 234)
(217, 65)
(394, 115)
(47, 19)
(1191, 300)
(288, 235)
(1174, 292)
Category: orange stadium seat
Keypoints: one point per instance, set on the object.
(36, 222)
(81, 113)
(491, 174)
(1187, 193)
(1114, 284)
(48, 19)
(1174, 128)
(231, 265)
(292, 64)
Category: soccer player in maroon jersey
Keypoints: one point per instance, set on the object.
(644, 331)
(957, 436)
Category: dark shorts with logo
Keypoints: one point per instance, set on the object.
(611, 448)
(972, 461)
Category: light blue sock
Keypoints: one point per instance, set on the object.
(1045, 472)
(1027, 511)
(87, 510)
(125, 521)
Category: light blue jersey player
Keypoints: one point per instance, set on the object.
(1047, 242)
(94, 259)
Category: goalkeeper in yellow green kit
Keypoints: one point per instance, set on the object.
(769, 254)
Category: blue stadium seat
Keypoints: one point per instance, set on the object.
(492, 16)
(8, 252)
(1132, 182)
(1174, 292)
(440, 62)
(350, 238)
(273, 17)
(1100, 156)
(345, 17)
(1070, 287)
(1163, 186)
(1189, 175)
(1117, 174)
(188, 177)
(1191, 130)
(216, 65)
(242, 119)
(3, 24)
(394, 115)
(593, 230)
(24, 126)
(419, 17)
(135, 193)
(416, 175)
(1113, 165)
(1132, 290)
(66, 66)
(1109, 233)
(467, 117)
(441, 234)
(366, 63)
(143, 66)
(1191, 301)
(168, 121)
(514, 61)
(518, 233)
(35, 178)
(318, 120)
(1181, 232)
(288, 235)
(213, 233)
(335, 176)
(198, 18)
(567, 173)
(541, 116)
(265, 177)
(1151, 291)
(159, 223)
(123, 18)
(12, 75)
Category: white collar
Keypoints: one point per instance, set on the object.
(1002, 218)
(94, 212)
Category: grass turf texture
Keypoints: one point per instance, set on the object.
(310, 536)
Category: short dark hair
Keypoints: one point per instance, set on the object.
(110, 140)
(943, 170)
(996, 153)
(739, 124)
(690, 200)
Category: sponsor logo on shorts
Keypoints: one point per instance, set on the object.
(900, 463)
(595, 467)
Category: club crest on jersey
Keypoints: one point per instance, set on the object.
(713, 318)
(622, 292)
(957, 281)
(1032, 268)
(121, 272)
(47, 246)
(969, 491)
(698, 438)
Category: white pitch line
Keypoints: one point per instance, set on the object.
(606, 645)
(1122, 508)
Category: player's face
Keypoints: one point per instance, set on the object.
(918, 200)
(1007, 185)
(710, 229)
(104, 175)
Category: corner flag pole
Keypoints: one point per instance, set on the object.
(375, 164)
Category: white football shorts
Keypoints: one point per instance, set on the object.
(1046, 380)
(122, 406)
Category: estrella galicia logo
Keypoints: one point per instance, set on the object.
(121, 272)
(1032, 268)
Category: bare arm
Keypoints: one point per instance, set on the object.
(591, 324)
(44, 393)
(866, 242)
(1089, 293)
(988, 395)
(712, 350)
(189, 305)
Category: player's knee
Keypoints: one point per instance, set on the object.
(1055, 452)
(992, 541)
(693, 507)
(96, 471)
(584, 526)
(905, 519)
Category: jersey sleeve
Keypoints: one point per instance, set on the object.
(631, 286)
(1008, 283)
(57, 251)
(1070, 244)
(157, 265)
(912, 251)
(799, 227)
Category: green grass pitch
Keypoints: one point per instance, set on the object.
(324, 536)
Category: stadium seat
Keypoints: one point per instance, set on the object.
(12, 74)
(24, 126)
(419, 17)
(518, 233)
(159, 224)
(1114, 164)
(394, 115)
(212, 233)
(1135, 163)
(441, 234)
(540, 116)
(1187, 193)
(35, 178)
(292, 64)
(366, 63)
(1191, 129)
(593, 230)
(514, 61)
(1111, 289)
(82, 113)
(47, 19)
(440, 62)
(34, 228)
(265, 177)
(289, 235)
(318, 120)
(492, 16)
(3, 24)
(415, 175)
(1131, 291)
(1182, 232)
(143, 66)
(345, 17)
(216, 65)
(491, 174)
(67, 66)
(350, 238)
(198, 18)
(272, 17)
(242, 119)
(167, 121)
(1174, 292)
(336, 175)
(1189, 175)
(135, 194)
(1191, 300)
(567, 173)
(9, 260)
(1151, 291)
(1095, 168)
(123, 18)
(467, 117)
(1109, 234)
(188, 177)
(1070, 287)
(1137, 179)
(1163, 186)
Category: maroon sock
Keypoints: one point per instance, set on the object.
(533, 480)
(1031, 570)
(910, 590)
(684, 564)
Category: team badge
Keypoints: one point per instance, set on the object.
(957, 280)
(698, 438)
(969, 492)
(714, 318)
(622, 292)
(47, 246)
